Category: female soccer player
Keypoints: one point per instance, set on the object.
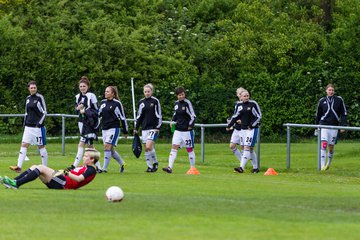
(34, 131)
(86, 107)
(112, 114)
(150, 119)
(235, 136)
(330, 111)
(61, 179)
(184, 117)
(248, 115)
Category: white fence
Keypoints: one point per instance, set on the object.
(319, 127)
(201, 126)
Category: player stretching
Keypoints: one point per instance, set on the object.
(331, 110)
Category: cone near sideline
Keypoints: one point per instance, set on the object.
(270, 171)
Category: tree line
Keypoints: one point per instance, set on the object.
(283, 51)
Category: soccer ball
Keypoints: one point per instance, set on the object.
(114, 194)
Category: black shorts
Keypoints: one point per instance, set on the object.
(57, 182)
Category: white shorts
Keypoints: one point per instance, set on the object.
(149, 135)
(236, 137)
(248, 137)
(183, 139)
(87, 137)
(329, 135)
(111, 136)
(34, 136)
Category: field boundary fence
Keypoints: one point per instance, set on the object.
(199, 125)
(319, 128)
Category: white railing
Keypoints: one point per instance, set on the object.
(201, 126)
(319, 127)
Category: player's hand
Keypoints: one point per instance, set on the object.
(227, 129)
(238, 121)
(342, 130)
(135, 131)
(57, 173)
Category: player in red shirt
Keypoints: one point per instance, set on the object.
(58, 179)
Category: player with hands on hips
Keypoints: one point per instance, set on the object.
(331, 111)
(150, 119)
(184, 117)
(34, 130)
(249, 114)
(112, 115)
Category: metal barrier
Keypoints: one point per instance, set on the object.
(319, 127)
(202, 127)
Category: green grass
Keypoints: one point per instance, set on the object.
(300, 203)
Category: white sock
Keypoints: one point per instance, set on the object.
(192, 158)
(172, 157)
(153, 156)
(98, 165)
(323, 157)
(254, 159)
(237, 153)
(79, 156)
(107, 157)
(148, 159)
(22, 155)
(117, 157)
(44, 156)
(330, 158)
(245, 157)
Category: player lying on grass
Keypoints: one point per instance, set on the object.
(58, 179)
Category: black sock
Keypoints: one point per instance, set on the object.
(24, 173)
(31, 176)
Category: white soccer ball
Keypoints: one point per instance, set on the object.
(114, 194)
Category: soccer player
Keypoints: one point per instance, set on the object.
(34, 131)
(235, 136)
(86, 107)
(330, 111)
(150, 118)
(112, 114)
(248, 115)
(184, 117)
(58, 179)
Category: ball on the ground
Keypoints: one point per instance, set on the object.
(114, 194)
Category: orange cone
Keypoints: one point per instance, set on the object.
(270, 171)
(193, 171)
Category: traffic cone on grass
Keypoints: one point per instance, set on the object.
(270, 171)
(193, 171)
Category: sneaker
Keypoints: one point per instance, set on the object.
(255, 170)
(9, 183)
(155, 166)
(167, 169)
(122, 168)
(325, 168)
(239, 170)
(149, 170)
(15, 168)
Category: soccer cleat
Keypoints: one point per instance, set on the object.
(193, 171)
(103, 171)
(15, 168)
(239, 170)
(122, 168)
(167, 169)
(325, 168)
(155, 166)
(255, 170)
(149, 170)
(9, 183)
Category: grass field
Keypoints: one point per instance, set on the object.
(301, 203)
